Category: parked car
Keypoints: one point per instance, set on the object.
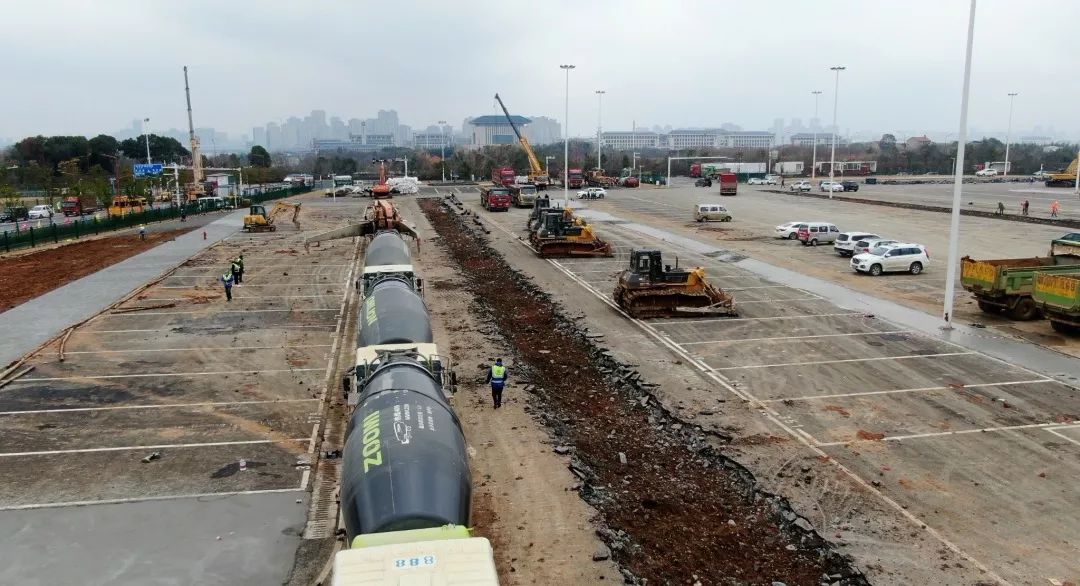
(814, 233)
(755, 181)
(1040, 175)
(771, 179)
(869, 244)
(831, 186)
(40, 212)
(711, 212)
(789, 230)
(703, 182)
(900, 257)
(801, 186)
(845, 242)
(849, 185)
(986, 173)
(592, 193)
(629, 181)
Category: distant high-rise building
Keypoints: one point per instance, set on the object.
(543, 130)
(337, 129)
(273, 137)
(258, 136)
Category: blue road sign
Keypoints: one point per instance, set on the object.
(142, 170)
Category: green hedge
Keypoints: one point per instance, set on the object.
(31, 237)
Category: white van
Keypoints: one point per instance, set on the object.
(711, 212)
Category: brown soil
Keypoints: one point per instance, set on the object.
(675, 510)
(27, 276)
(870, 435)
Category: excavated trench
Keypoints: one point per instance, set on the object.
(673, 509)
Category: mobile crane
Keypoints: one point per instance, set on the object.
(195, 189)
(536, 173)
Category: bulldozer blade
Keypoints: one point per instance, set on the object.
(569, 249)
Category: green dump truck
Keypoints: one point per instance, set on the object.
(1007, 284)
(1058, 297)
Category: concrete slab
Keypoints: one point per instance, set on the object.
(258, 537)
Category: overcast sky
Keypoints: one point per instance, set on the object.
(76, 67)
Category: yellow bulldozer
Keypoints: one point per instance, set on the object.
(260, 221)
(1066, 178)
(650, 289)
(557, 233)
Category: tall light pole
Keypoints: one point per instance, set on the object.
(835, 129)
(599, 113)
(547, 165)
(1008, 133)
(566, 140)
(147, 136)
(813, 165)
(958, 180)
(442, 148)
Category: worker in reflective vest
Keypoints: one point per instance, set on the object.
(227, 280)
(497, 377)
(234, 268)
(240, 273)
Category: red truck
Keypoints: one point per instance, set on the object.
(729, 182)
(495, 199)
(79, 205)
(695, 170)
(575, 179)
(503, 176)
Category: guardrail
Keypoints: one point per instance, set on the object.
(30, 237)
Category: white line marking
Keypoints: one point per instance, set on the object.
(781, 300)
(219, 276)
(760, 287)
(217, 348)
(97, 376)
(144, 499)
(162, 406)
(223, 331)
(215, 289)
(869, 393)
(138, 313)
(723, 319)
(842, 361)
(219, 294)
(154, 447)
(733, 340)
(897, 438)
(1063, 436)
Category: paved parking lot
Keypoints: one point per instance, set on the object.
(228, 395)
(979, 451)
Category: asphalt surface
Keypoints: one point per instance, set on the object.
(930, 457)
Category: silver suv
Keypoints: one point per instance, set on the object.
(845, 242)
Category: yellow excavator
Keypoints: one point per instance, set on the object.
(1066, 178)
(260, 221)
(650, 289)
(537, 175)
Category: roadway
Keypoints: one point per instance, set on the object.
(929, 457)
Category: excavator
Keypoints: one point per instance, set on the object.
(260, 221)
(557, 233)
(650, 289)
(1066, 178)
(380, 216)
(380, 190)
(537, 175)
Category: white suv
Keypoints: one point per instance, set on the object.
(845, 242)
(592, 193)
(986, 173)
(831, 186)
(39, 212)
(800, 186)
(902, 257)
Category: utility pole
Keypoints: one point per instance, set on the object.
(835, 129)
(147, 137)
(599, 114)
(813, 165)
(566, 140)
(442, 148)
(1008, 133)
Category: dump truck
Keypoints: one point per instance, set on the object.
(729, 183)
(1066, 178)
(523, 195)
(575, 179)
(80, 205)
(648, 288)
(559, 234)
(1007, 284)
(1058, 298)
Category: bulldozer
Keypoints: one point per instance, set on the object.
(650, 289)
(1066, 178)
(558, 234)
(260, 221)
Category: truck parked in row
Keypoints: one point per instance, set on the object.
(503, 176)
(80, 205)
(1007, 284)
(495, 199)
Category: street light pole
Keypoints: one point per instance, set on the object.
(835, 129)
(547, 164)
(566, 140)
(147, 136)
(442, 148)
(958, 180)
(813, 165)
(599, 113)
(1008, 133)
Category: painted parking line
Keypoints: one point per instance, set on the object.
(240, 297)
(781, 300)
(818, 362)
(156, 374)
(219, 276)
(935, 434)
(730, 319)
(170, 497)
(138, 313)
(210, 348)
(734, 340)
(1054, 430)
(160, 406)
(153, 447)
(301, 284)
(918, 390)
(223, 330)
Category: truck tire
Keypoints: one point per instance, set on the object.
(1063, 328)
(989, 307)
(1024, 310)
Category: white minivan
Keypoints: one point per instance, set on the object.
(814, 233)
(711, 212)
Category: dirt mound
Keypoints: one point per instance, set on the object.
(673, 509)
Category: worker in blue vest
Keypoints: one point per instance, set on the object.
(234, 269)
(227, 280)
(497, 377)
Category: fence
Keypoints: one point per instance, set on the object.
(78, 228)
